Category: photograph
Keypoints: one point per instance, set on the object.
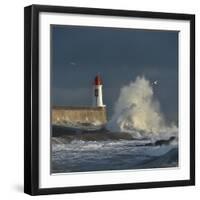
(114, 99)
(109, 99)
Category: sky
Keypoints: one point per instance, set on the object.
(79, 53)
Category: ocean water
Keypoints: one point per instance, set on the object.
(85, 155)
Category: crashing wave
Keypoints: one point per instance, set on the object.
(137, 112)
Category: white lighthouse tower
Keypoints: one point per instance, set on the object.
(98, 95)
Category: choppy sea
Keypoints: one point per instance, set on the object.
(99, 151)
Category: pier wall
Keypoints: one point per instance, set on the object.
(63, 114)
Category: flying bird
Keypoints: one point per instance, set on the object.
(73, 63)
(155, 82)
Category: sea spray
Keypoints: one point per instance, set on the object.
(138, 112)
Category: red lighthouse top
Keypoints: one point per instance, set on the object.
(97, 80)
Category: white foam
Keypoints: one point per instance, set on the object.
(138, 112)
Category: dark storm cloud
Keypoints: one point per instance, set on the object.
(119, 56)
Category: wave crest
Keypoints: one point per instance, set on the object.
(138, 112)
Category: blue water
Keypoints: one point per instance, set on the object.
(83, 156)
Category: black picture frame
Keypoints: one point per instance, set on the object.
(31, 98)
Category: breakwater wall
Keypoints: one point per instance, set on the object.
(65, 114)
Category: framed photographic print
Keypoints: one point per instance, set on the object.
(109, 100)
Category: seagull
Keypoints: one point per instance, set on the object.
(155, 82)
(73, 63)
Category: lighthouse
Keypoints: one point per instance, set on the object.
(98, 95)
(96, 114)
